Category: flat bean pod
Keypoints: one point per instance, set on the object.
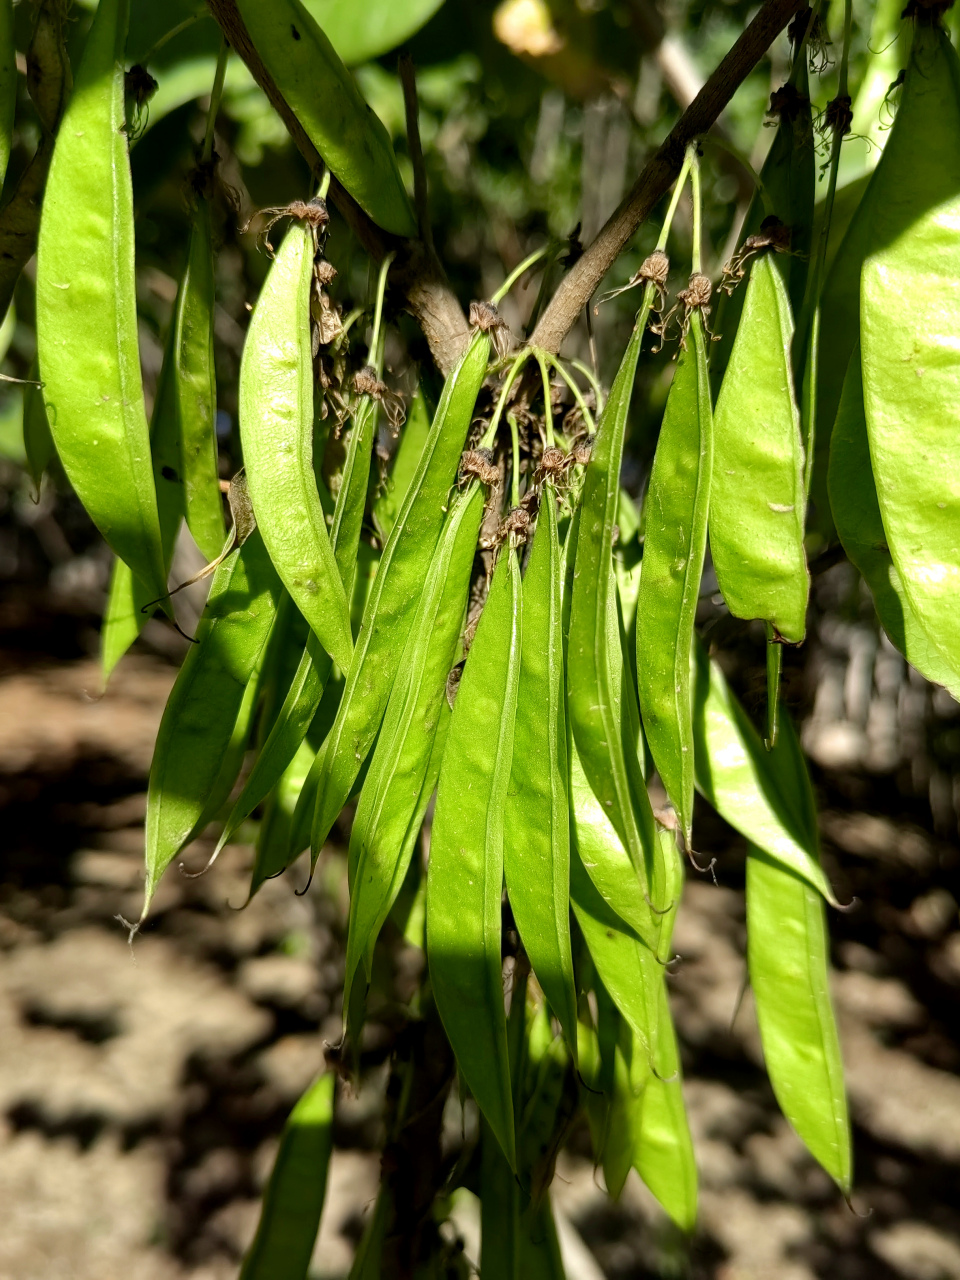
(325, 99)
(787, 950)
(499, 1210)
(909, 179)
(273, 837)
(276, 430)
(294, 1196)
(87, 312)
(413, 440)
(274, 856)
(757, 502)
(677, 506)
(393, 597)
(745, 783)
(910, 325)
(626, 965)
(537, 818)
(604, 858)
(127, 613)
(599, 710)
(379, 852)
(197, 388)
(622, 1124)
(664, 1156)
(201, 712)
(286, 734)
(856, 511)
(310, 679)
(465, 872)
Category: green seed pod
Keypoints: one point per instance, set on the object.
(293, 1199)
(276, 429)
(202, 711)
(856, 510)
(87, 310)
(325, 99)
(754, 789)
(465, 872)
(756, 499)
(676, 537)
(910, 328)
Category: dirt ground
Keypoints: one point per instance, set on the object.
(141, 1090)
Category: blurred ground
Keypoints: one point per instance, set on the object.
(141, 1091)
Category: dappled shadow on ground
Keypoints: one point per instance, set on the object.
(142, 1089)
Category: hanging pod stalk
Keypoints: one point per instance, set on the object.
(86, 309)
(276, 430)
(788, 179)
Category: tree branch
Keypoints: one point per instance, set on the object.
(416, 271)
(661, 170)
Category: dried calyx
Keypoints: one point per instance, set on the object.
(479, 463)
(485, 317)
(312, 212)
(773, 235)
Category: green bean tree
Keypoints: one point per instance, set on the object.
(442, 610)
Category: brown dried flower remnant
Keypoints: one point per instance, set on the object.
(313, 212)
(552, 463)
(655, 269)
(786, 102)
(366, 383)
(485, 317)
(516, 524)
(325, 314)
(583, 450)
(773, 234)
(695, 297)
(839, 116)
(479, 463)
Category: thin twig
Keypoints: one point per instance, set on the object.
(578, 286)
(408, 78)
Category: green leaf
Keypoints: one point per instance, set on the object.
(359, 32)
